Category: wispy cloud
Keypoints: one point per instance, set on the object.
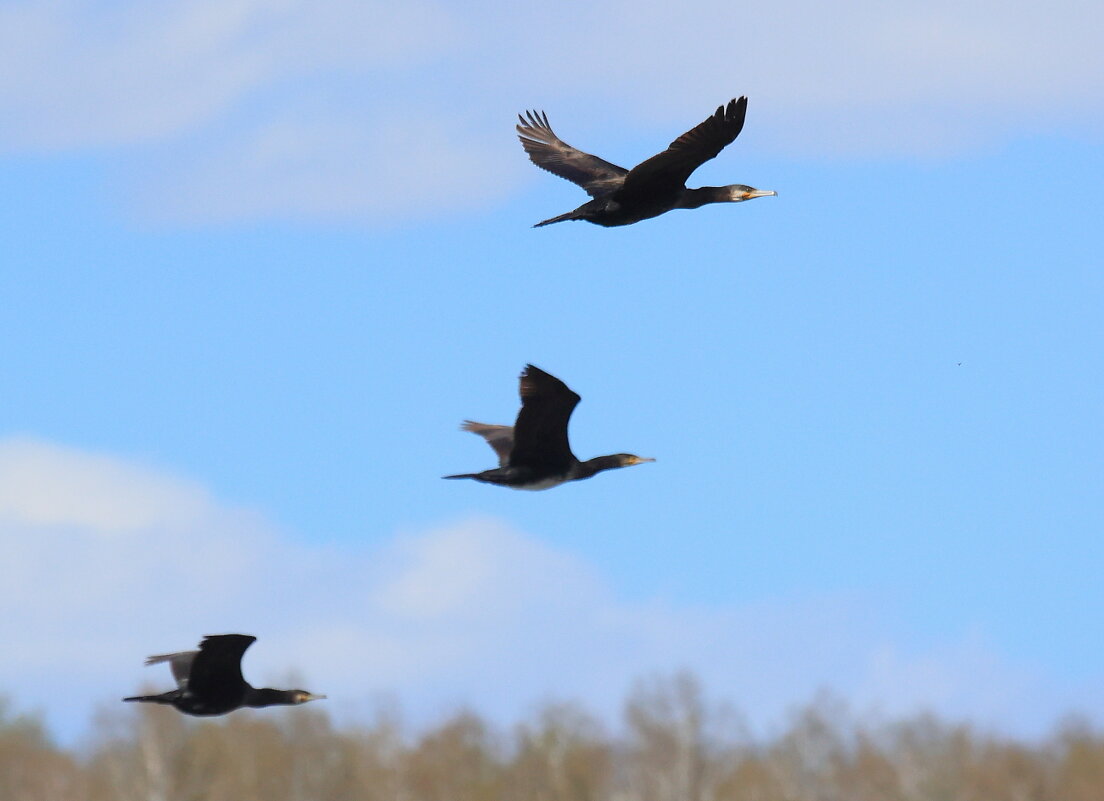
(80, 73)
(107, 560)
(385, 166)
(248, 109)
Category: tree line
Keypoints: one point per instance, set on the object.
(672, 744)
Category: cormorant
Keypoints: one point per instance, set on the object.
(210, 680)
(622, 197)
(534, 453)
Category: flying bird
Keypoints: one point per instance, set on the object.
(623, 197)
(209, 681)
(534, 453)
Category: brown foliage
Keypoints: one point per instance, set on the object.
(674, 745)
(31, 769)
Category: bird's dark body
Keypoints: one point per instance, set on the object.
(534, 453)
(545, 476)
(191, 704)
(610, 211)
(653, 187)
(523, 478)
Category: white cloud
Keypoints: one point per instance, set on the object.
(955, 675)
(107, 561)
(316, 165)
(46, 485)
(251, 109)
(82, 73)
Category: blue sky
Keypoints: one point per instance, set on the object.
(261, 260)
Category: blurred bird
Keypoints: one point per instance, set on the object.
(210, 680)
(534, 453)
(623, 197)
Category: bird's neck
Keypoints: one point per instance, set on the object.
(266, 696)
(695, 198)
(596, 465)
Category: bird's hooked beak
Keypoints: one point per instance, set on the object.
(748, 193)
(304, 697)
(640, 460)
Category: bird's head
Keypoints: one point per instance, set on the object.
(302, 696)
(740, 192)
(267, 696)
(628, 459)
(611, 462)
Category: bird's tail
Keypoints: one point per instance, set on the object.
(463, 475)
(571, 215)
(163, 698)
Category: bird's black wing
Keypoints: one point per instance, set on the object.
(549, 152)
(540, 433)
(500, 438)
(216, 670)
(668, 171)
